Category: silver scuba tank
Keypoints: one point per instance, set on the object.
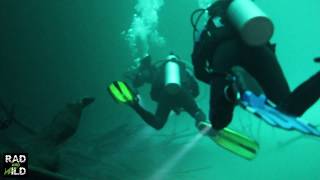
(252, 23)
(172, 77)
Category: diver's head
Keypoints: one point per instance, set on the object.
(145, 69)
(146, 61)
(172, 57)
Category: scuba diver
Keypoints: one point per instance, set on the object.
(172, 87)
(219, 48)
(175, 89)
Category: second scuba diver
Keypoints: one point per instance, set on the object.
(173, 88)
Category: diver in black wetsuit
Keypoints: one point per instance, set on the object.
(220, 48)
(183, 99)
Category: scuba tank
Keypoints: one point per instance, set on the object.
(251, 22)
(172, 83)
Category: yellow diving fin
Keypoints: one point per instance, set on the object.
(233, 141)
(121, 92)
(236, 143)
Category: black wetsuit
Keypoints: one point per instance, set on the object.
(184, 99)
(221, 48)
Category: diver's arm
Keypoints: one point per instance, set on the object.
(147, 116)
(206, 43)
(137, 81)
(134, 76)
(199, 58)
(211, 36)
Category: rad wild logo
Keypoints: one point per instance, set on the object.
(15, 164)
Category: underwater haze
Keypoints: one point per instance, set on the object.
(55, 52)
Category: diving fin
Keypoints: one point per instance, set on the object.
(121, 92)
(236, 143)
(261, 108)
(233, 141)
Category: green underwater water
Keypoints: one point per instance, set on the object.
(54, 52)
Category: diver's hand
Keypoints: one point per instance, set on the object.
(135, 102)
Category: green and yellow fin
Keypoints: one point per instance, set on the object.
(237, 143)
(126, 91)
(121, 92)
(240, 138)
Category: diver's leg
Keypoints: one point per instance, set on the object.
(221, 110)
(162, 114)
(303, 97)
(187, 101)
(263, 65)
